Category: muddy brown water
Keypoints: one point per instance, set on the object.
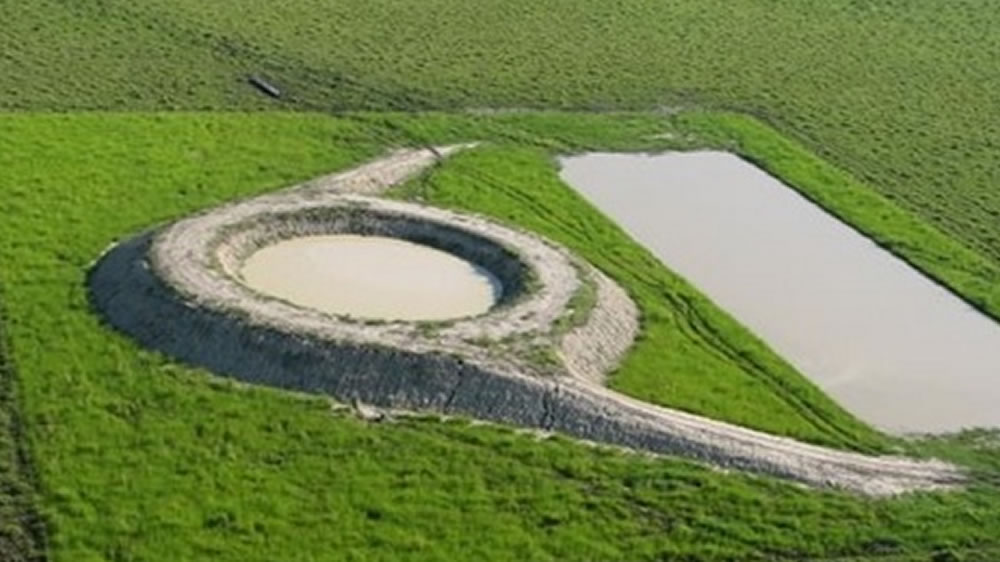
(371, 277)
(892, 346)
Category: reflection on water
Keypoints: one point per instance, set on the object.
(890, 345)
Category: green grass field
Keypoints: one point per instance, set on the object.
(882, 112)
(142, 459)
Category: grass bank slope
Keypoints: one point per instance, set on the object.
(141, 458)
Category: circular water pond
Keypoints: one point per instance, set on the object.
(371, 277)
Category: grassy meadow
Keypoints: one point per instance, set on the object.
(119, 116)
(139, 458)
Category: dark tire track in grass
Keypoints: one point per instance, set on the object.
(22, 530)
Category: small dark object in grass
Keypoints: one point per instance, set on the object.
(264, 86)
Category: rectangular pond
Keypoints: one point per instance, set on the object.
(892, 346)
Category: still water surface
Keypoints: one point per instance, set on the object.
(889, 344)
(371, 277)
